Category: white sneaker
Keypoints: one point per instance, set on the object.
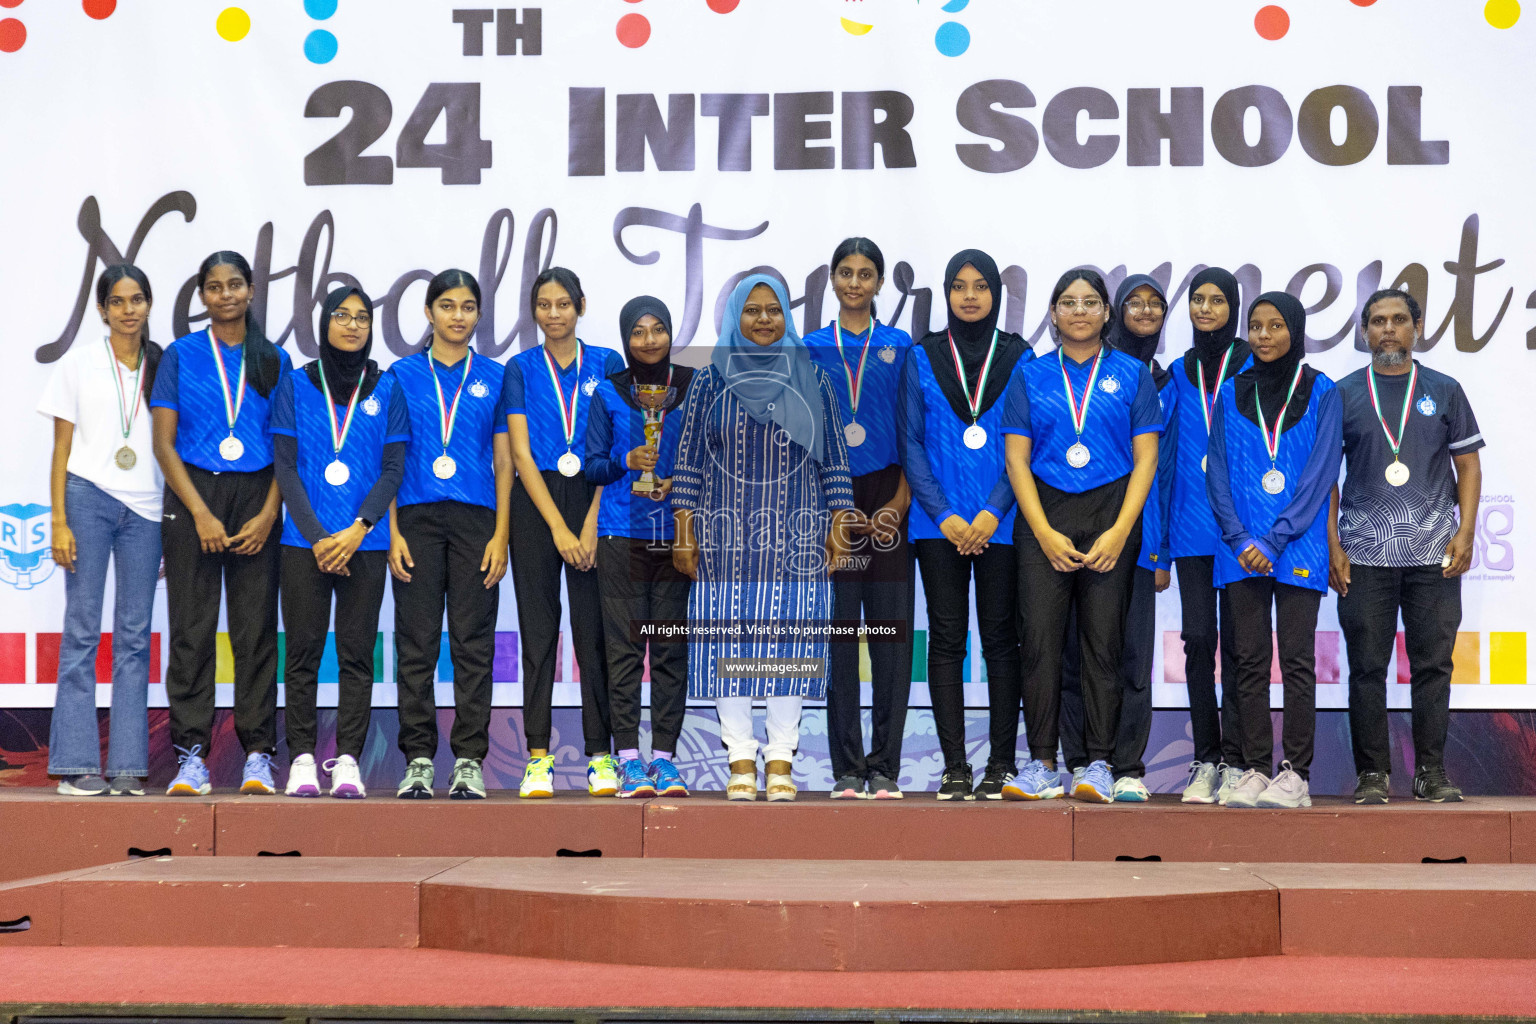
(346, 778)
(1130, 790)
(1248, 789)
(1203, 780)
(303, 779)
(1287, 790)
(1227, 780)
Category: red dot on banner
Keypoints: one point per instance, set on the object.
(723, 6)
(99, 9)
(10, 3)
(12, 35)
(1362, 3)
(1272, 22)
(633, 30)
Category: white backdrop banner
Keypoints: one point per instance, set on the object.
(669, 146)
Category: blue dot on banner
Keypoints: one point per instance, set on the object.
(952, 39)
(320, 46)
(320, 9)
(954, 6)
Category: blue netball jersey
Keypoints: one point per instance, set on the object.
(298, 410)
(946, 477)
(1191, 524)
(1290, 528)
(879, 394)
(481, 417)
(1154, 514)
(188, 381)
(528, 391)
(1124, 404)
(614, 427)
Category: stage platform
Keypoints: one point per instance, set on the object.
(41, 832)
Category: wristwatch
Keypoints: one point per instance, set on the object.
(367, 526)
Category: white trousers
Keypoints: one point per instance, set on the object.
(783, 728)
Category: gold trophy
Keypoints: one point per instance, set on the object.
(653, 400)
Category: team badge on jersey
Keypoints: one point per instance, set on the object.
(1426, 406)
(589, 386)
(478, 389)
(371, 406)
(1109, 385)
(888, 354)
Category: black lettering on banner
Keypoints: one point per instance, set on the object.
(465, 154)
(975, 112)
(586, 129)
(1361, 125)
(1275, 125)
(793, 130)
(340, 160)
(512, 30)
(735, 111)
(1059, 125)
(474, 22)
(1405, 132)
(639, 124)
(862, 133)
(1183, 125)
(1333, 287)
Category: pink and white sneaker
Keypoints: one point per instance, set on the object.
(346, 778)
(303, 780)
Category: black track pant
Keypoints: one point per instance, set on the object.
(1295, 629)
(1214, 729)
(1135, 684)
(192, 581)
(306, 600)
(447, 541)
(639, 586)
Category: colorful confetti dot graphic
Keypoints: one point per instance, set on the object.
(1272, 22)
(723, 6)
(633, 30)
(320, 46)
(952, 39)
(13, 34)
(233, 24)
(1502, 13)
(319, 9)
(99, 9)
(10, 3)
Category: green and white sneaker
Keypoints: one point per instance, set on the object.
(468, 781)
(538, 779)
(417, 784)
(602, 776)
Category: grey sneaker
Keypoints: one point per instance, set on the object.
(468, 782)
(127, 785)
(1288, 789)
(417, 784)
(1203, 780)
(883, 787)
(849, 787)
(82, 785)
(1248, 789)
(1227, 779)
(1077, 777)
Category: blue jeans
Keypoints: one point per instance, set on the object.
(104, 528)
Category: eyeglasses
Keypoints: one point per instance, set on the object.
(345, 319)
(1137, 306)
(1072, 305)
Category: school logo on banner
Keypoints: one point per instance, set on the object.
(26, 545)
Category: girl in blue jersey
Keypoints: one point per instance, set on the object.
(1276, 443)
(1140, 309)
(340, 428)
(448, 538)
(1082, 451)
(548, 395)
(864, 359)
(107, 503)
(211, 407)
(962, 516)
(1217, 355)
(639, 585)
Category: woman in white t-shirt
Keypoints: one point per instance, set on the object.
(106, 490)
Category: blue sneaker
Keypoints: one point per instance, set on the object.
(1034, 782)
(633, 779)
(668, 780)
(1097, 786)
(192, 778)
(258, 775)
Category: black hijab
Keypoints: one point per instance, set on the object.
(341, 367)
(648, 373)
(1273, 380)
(1144, 350)
(1210, 346)
(972, 340)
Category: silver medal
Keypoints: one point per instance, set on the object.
(443, 467)
(1397, 474)
(231, 448)
(854, 434)
(1202, 462)
(125, 458)
(569, 464)
(975, 436)
(337, 473)
(1274, 481)
(1078, 455)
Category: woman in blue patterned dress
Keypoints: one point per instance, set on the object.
(759, 489)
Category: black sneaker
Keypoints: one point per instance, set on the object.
(991, 785)
(1371, 787)
(1431, 785)
(956, 783)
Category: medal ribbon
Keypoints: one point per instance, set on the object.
(855, 388)
(981, 382)
(1079, 416)
(447, 417)
(339, 438)
(1208, 405)
(231, 404)
(1273, 447)
(126, 416)
(567, 416)
(1402, 423)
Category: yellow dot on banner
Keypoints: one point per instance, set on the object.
(233, 24)
(855, 28)
(1502, 13)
